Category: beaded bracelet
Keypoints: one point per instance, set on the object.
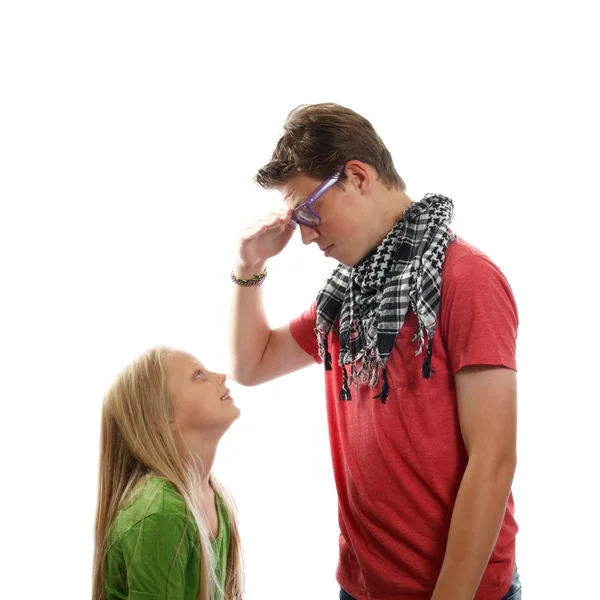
(256, 279)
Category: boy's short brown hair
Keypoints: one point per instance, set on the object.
(318, 139)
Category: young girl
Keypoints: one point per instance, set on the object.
(165, 528)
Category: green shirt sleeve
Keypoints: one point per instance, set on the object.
(155, 553)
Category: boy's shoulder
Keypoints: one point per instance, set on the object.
(460, 251)
(463, 260)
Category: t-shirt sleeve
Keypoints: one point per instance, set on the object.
(303, 331)
(156, 552)
(479, 318)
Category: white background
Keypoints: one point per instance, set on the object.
(129, 136)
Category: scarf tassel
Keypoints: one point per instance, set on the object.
(345, 390)
(427, 370)
(327, 358)
(385, 388)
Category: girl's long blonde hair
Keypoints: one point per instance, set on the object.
(136, 441)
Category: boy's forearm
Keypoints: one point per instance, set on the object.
(476, 522)
(249, 329)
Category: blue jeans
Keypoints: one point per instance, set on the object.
(514, 593)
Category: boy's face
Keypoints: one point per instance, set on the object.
(344, 231)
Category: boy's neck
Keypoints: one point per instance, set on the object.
(389, 205)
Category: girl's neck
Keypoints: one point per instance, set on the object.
(202, 454)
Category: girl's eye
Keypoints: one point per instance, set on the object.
(199, 375)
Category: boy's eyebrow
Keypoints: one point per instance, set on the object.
(295, 202)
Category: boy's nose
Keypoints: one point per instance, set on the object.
(308, 234)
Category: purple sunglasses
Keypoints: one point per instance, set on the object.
(304, 214)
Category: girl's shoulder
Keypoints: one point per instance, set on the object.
(154, 497)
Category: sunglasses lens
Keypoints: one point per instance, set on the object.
(306, 217)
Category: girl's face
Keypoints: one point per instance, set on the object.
(201, 398)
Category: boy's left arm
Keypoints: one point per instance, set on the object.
(487, 407)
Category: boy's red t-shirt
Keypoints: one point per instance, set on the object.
(398, 466)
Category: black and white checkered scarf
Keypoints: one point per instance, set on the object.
(373, 298)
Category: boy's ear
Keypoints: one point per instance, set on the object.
(359, 175)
